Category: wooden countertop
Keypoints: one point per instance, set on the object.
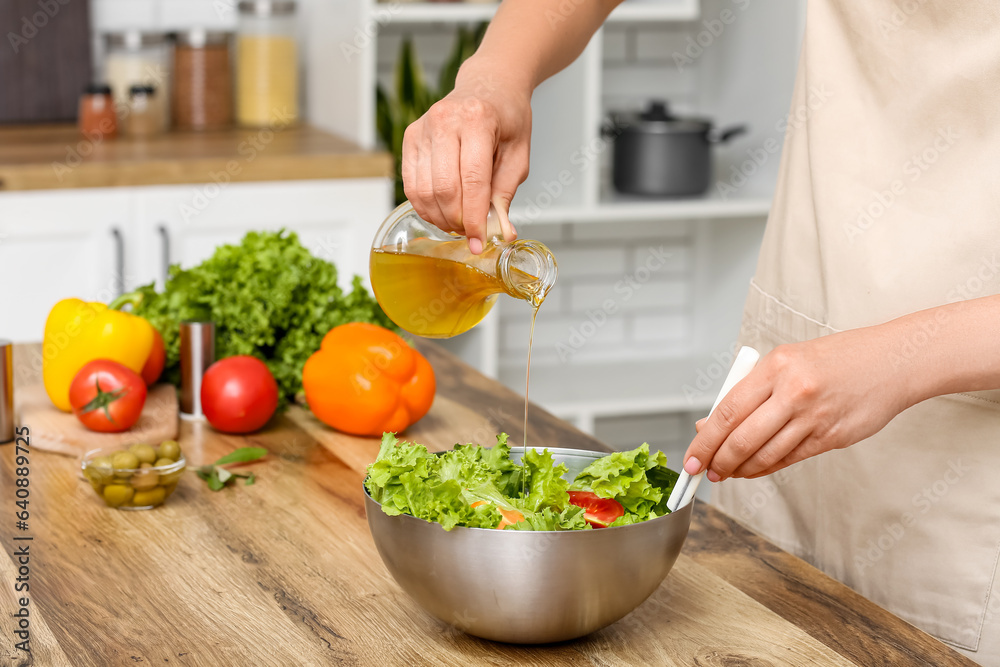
(285, 571)
(58, 156)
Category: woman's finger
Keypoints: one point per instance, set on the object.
(510, 169)
(412, 140)
(748, 395)
(446, 175)
(809, 447)
(775, 450)
(477, 147)
(429, 209)
(748, 437)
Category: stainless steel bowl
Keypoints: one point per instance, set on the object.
(529, 587)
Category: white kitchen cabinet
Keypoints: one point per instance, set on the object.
(58, 244)
(335, 219)
(97, 243)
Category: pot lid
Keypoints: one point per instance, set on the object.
(657, 118)
(199, 38)
(267, 7)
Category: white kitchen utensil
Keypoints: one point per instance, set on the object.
(687, 484)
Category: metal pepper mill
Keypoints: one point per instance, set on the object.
(197, 354)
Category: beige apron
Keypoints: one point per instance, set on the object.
(888, 202)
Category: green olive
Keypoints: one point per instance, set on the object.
(164, 462)
(169, 449)
(154, 496)
(124, 461)
(116, 495)
(171, 477)
(145, 479)
(145, 453)
(99, 470)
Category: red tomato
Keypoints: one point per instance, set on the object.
(107, 396)
(599, 512)
(156, 360)
(238, 394)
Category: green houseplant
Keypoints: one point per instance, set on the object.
(414, 96)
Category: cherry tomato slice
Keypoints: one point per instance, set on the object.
(599, 512)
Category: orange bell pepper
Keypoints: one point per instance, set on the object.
(366, 380)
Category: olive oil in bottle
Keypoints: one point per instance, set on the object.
(430, 284)
(431, 296)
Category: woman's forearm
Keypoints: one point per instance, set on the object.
(948, 349)
(803, 399)
(530, 40)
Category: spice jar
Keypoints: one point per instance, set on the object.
(267, 91)
(138, 58)
(203, 89)
(97, 113)
(145, 114)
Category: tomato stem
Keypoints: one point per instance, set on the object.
(103, 400)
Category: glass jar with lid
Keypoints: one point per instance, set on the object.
(203, 87)
(144, 117)
(267, 91)
(138, 58)
(97, 117)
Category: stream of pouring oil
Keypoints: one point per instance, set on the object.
(536, 303)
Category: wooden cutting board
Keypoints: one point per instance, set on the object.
(61, 432)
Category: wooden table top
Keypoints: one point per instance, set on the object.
(285, 572)
(41, 157)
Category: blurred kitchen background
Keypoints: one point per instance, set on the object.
(218, 135)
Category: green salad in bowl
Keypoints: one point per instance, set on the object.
(483, 487)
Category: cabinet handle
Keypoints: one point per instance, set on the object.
(119, 277)
(164, 251)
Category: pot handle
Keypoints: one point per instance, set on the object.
(610, 129)
(725, 135)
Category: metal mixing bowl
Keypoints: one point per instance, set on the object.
(527, 587)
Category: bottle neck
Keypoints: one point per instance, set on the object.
(528, 270)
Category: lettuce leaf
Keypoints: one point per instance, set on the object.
(625, 477)
(441, 487)
(545, 484)
(571, 518)
(406, 479)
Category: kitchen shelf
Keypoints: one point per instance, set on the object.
(635, 209)
(471, 12)
(583, 392)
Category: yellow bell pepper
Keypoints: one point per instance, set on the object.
(77, 332)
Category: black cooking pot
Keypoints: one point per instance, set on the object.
(659, 154)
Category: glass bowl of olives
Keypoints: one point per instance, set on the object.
(137, 477)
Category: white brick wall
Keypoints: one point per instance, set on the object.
(603, 277)
(661, 328)
(639, 66)
(594, 260)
